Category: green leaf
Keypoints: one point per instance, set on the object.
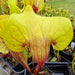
(13, 2)
(53, 59)
(13, 7)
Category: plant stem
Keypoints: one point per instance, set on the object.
(73, 61)
(33, 63)
(58, 56)
(73, 65)
(74, 53)
(57, 53)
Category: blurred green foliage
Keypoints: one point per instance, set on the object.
(20, 4)
(67, 4)
(0, 10)
(4, 7)
(50, 11)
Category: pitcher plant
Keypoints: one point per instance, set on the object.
(24, 28)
